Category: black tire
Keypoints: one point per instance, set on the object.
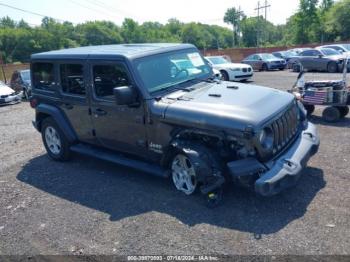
(332, 67)
(58, 153)
(225, 76)
(296, 68)
(331, 114)
(204, 163)
(26, 95)
(264, 67)
(344, 110)
(309, 109)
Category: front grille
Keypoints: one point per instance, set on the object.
(285, 128)
(4, 96)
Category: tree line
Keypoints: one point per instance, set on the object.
(315, 21)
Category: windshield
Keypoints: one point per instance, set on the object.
(346, 46)
(25, 75)
(164, 71)
(217, 60)
(329, 51)
(267, 56)
(290, 53)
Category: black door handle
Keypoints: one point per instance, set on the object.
(100, 112)
(68, 106)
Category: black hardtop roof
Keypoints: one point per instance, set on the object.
(129, 51)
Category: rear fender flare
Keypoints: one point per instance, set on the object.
(59, 118)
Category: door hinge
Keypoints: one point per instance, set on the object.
(93, 132)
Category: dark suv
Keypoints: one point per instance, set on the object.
(134, 105)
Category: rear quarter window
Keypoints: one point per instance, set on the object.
(43, 75)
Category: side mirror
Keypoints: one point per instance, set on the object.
(320, 56)
(125, 95)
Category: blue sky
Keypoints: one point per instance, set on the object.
(210, 12)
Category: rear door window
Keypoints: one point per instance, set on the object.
(43, 75)
(72, 79)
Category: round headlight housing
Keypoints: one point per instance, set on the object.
(266, 138)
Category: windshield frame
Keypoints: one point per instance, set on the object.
(173, 87)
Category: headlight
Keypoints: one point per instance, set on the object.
(266, 138)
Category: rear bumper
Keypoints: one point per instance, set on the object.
(285, 171)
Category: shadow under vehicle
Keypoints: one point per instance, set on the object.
(123, 193)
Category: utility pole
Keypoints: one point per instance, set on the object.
(240, 12)
(237, 28)
(265, 6)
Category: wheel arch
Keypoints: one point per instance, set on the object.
(225, 72)
(182, 139)
(44, 111)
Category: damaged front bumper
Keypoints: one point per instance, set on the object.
(284, 171)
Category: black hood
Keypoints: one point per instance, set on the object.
(226, 106)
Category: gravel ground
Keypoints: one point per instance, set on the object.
(87, 206)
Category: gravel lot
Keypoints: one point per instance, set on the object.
(87, 206)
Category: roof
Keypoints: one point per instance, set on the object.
(125, 50)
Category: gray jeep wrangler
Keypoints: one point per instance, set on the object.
(157, 108)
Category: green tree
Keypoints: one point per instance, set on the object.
(233, 17)
(131, 31)
(307, 22)
(7, 22)
(338, 20)
(191, 33)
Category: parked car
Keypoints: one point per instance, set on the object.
(286, 55)
(129, 106)
(265, 62)
(8, 95)
(230, 71)
(299, 50)
(319, 59)
(342, 48)
(20, 81)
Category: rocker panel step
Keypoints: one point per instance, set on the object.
(117, 158)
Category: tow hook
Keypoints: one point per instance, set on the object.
(214, 192)
(214, 199)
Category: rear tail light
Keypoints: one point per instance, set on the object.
(33, 102)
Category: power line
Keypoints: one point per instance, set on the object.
(100, 4)
(30, 12)
(90, 8)
(258, 9)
